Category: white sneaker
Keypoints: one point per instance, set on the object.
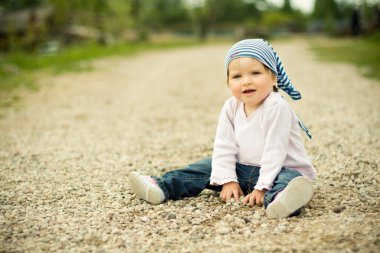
(296, 195)
(146, 188)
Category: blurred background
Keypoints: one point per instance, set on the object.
(47, 25)
(37, 34)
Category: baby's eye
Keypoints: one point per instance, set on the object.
(256, 73)
(236, 76)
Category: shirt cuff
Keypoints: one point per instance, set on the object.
(263, 186)
(221, 181)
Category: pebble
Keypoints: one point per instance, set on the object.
(144, 219)
(196, 221)
(257, 216)
(229, 217)
(172, 216)
(338, 209)
(223, 230)
(185, 228)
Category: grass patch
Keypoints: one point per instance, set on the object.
(19, 69)
(364, 52)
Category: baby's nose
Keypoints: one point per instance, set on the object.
(247, 80)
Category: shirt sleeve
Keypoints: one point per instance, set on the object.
(225, 149)
(277, 124)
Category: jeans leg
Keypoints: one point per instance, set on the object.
(187, 182)
(247, 176)
(280, 182)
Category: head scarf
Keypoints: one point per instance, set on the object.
(262, 51)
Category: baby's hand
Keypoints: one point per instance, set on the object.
(255, 197)
(231, 189)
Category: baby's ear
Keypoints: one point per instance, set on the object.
(274, 78)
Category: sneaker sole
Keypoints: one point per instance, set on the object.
(143, 190)
(296, 195)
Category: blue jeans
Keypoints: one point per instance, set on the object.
(194, 178)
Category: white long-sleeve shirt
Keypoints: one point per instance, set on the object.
(268, 138)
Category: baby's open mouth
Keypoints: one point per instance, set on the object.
(249, 91)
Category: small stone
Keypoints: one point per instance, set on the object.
(200, 205)
(190, 208)
(115, 231)
(119, 243)
(197, 236)
(110, 214)
(223, 230)
(184, 228)
(338, 209)
(246, 220)
(196, 221)
(298, 229)
(229, 217)
(63, 239)
(257, 216)
(105, 237)
(174, 226)
(144, 219)
(281, 228)
(172, 216)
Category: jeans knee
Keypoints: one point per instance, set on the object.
(286, 175)
(206, 162)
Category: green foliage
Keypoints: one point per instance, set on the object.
(168, 13)
(11, 5)
(276, 19)
(363, 52)
(329, 13)
(228, 11)
(157, 14)
(287, 7)
(219, 13)
(325, 8)
(120, 20)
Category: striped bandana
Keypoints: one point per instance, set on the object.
(262, 51)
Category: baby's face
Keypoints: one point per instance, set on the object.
(249, 81)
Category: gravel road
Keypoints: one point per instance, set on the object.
(65, 154)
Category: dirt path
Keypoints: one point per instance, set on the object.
(65, 156)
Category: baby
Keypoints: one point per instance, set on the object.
(258, 151)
